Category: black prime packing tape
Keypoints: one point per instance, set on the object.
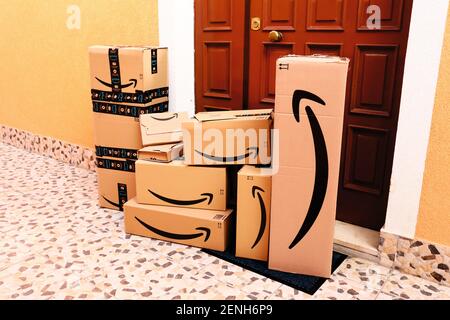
(129, 111)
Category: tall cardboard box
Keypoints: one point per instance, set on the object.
(193, 227)
(253, 212)
(126, 82)
(179, 185)
(309, 110)
(228, 138)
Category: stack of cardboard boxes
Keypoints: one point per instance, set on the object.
(282, 192)
(126, 82)
(187, 200)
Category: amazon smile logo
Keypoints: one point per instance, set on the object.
(321, 156)
(175, 115)
(206, 232)
(205, 197)
(251, 152)
(118, 86)
(256, 191)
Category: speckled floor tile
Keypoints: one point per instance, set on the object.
(410, 287)
(370, 275)
(239, 277)
(385, 296)
(341, 288)
(288, 293)
(56, 243)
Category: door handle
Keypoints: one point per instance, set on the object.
(275, 36)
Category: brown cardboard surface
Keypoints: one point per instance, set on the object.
(135, 65)
(108, 188)
(253, 213)
(304, 191)
(259, 114)
(315, 73)
(193, 227)
(162, 128)
(117, 131)
(161, 153)
(297, 150)
(176, 184)
(291, 195)
(228, 138)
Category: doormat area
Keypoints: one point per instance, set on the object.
(307, 284)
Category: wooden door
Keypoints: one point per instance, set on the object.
(219, 54)
(339, 27)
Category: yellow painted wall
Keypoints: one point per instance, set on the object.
(44, 86)
(434, 217)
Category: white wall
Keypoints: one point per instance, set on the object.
(176, 21)
(176, 31)
(418, 96)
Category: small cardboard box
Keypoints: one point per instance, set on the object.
(309, 105)
(115, 187)
(253, 213)
(131, 75)
(162, 128)
(161, 153)
(228, 138)
(176, 184)
(193, 227)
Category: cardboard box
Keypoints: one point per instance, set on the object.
(176, 184)
(121, 131)
(228, 138)
(131, 75)
(161, 153)
(193, 227)
(115, 187)
(162, 128)
(309, 105)
(253, 213)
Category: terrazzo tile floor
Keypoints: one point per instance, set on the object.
(56, 243)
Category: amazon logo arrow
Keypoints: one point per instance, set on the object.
(166, 119)
(262, 227)
(117, 205)
(206, 232)
(251, 151)
(206, 197)
(321, 154)
(133, 82)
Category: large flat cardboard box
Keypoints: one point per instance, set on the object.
(162, 128)
(193, 227)
(176, 184)
(126, 74)
(161, 153)
(253, 213)
(309, 109)
(115, 187)
(228, 138)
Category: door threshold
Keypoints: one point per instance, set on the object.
(356, 241)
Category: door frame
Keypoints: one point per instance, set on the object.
(414, 123)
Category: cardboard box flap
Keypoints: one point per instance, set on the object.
(260, 114)
(166, 122)
(161, 148)
(137, 48)
(313, 58)
(213, 215)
